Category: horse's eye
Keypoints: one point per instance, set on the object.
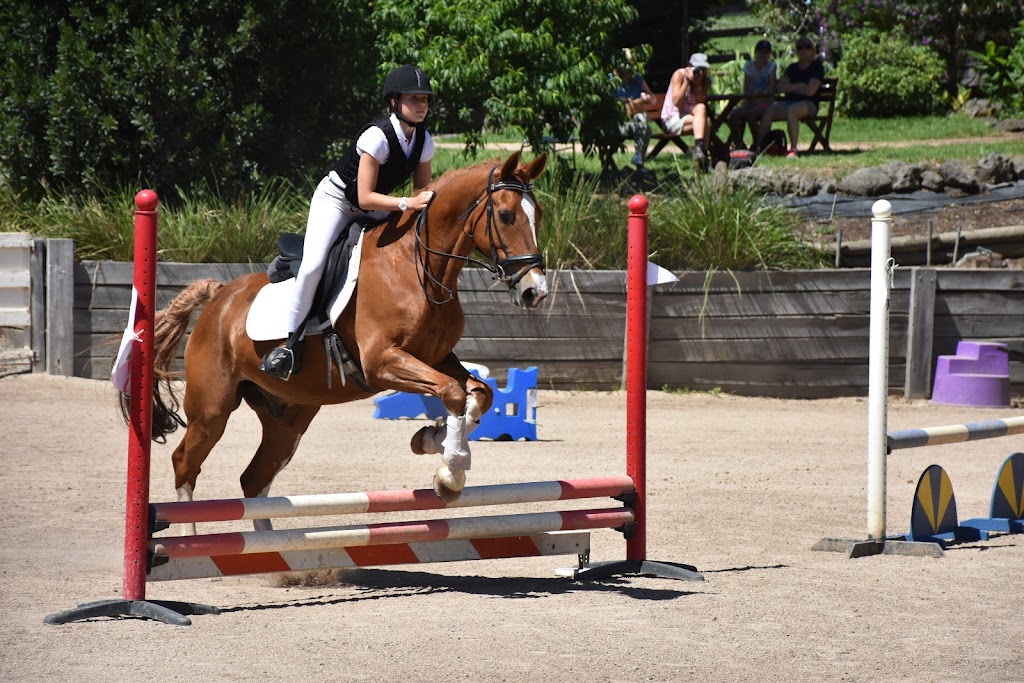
(507, 217)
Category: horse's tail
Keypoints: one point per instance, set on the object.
(169, 328)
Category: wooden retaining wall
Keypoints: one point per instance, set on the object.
(797, 334)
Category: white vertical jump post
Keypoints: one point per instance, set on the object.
(880, 442)
(223, 554)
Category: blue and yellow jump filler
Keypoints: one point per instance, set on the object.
(513, 415)
(933, 518)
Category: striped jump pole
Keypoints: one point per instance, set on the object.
(242, 543)
(970, 431)
(387, 501)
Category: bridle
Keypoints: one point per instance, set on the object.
(518, 265)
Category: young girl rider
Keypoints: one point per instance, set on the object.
(386, 153)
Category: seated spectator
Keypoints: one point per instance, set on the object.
(686, 103)
(635, 94)
(759, 78)
(799, 86)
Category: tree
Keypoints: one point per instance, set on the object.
(220, 91)
(537, 65)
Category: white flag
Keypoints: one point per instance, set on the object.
(121, 372)
(656, 275)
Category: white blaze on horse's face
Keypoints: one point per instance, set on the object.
(532, 289)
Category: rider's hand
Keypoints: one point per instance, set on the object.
(420, 201)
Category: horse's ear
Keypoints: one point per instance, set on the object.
(535, 167)
(509, 167)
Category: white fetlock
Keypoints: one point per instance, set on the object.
(449, 482)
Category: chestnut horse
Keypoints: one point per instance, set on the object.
(401, 326)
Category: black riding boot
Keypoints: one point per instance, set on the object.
(283, 361)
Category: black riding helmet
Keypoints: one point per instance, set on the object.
(407, 80)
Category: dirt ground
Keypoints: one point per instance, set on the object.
(740, 487)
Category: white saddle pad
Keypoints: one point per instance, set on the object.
(268, 315)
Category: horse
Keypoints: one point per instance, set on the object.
(401, 327)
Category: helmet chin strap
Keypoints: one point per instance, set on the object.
(398, 115)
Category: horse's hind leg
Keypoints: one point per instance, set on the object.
(207, 416)
(283, 427)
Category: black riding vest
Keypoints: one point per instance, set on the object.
(393, 172)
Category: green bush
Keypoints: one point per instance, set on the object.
(1002, 70)
(883, 74)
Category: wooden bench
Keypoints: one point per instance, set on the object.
(821, 124)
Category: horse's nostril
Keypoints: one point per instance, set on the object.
(530, 297)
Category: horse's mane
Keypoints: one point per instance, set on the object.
(453, 175)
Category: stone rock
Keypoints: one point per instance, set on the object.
(1010, 125)
(980, 108)
(796, 184)
(932, 181)
(905, 177)
(958, 175)
(995, 169)
(866, 182)
(760, 180)
(825, 185)
(1017, 162)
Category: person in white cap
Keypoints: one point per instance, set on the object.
(686, 103)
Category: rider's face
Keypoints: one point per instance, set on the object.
(414, 107)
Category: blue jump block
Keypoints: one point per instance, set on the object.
(513, 414)
(400, 404)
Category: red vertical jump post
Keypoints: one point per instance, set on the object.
(140, 430)
(636, 371)
(636, 561)
(140, 422)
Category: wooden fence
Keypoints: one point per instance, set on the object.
(794, 334)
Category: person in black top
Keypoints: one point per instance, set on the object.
(385, 154)
(799, 86)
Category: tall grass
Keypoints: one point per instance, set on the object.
(199, 227)
(712, 224)
(581, 228)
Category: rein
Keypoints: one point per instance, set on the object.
(519, 265)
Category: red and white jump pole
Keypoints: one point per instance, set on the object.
(497, 536)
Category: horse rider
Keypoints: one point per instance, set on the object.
(386, 153)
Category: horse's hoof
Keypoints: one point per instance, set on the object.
(427, 441)
(448, 483)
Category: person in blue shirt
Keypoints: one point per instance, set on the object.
(759, 78)
(634, 93)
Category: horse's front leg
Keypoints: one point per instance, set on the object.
(465, 398)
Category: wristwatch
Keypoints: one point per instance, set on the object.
(403, 204)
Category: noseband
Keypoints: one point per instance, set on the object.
(519, 266)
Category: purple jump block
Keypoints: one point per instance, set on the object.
(978, 375)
